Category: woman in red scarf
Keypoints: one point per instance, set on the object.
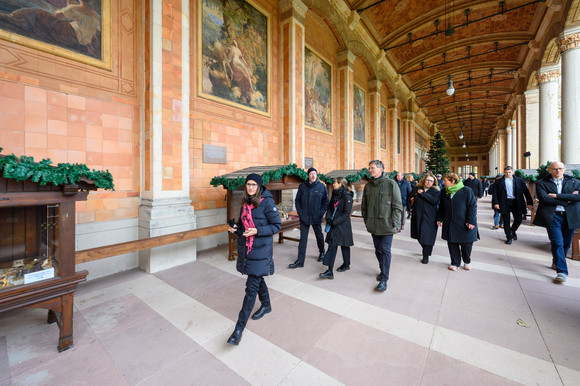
(259, 221)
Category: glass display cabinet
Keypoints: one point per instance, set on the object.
(37, 250)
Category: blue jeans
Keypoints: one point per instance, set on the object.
(497, 220)
(561, 238)
(383, 252)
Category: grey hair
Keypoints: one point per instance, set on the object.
(378, 163)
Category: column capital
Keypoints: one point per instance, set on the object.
(392, 103)
(568, 41)
(548, 75)
(520, 99)
(375, 85)
(408, 115)
(346, 58)
(293, 9)
(532, 96)
(513, 123)
(508, 130)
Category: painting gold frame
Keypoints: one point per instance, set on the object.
(330, 91)
(200, 58)
(104, 63)
(364, 114)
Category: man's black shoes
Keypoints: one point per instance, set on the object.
(321, 257)
(261, 312)
(514, 236)
(382, 286)
(296, 264)
(508, 241)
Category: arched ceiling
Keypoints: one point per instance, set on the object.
(483, 46)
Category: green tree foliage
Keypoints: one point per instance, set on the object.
(437, 159)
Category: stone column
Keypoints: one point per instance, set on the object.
(375, 118)
(570, 51)
(502, 150)
(292, 16)
(165, 206)
(346, 121)
(408, 143)
(509, 147)
(521, 130)
(392, 105)
(533, 127)
(549, 121)
(514, 161)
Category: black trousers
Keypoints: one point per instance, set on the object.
(383, 252)
(459, 251)
(427, 250)
(255, 285)
(513, 209)
(304, 240)
(331, 256)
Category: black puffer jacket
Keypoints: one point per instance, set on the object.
(341, 228)
(267, 221)
(311, 202)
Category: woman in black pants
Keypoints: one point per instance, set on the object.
(458, 216)
(424, 200)
(259, 221)
(340, 233)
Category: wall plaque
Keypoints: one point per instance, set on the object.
(215, 154)
(308, 162)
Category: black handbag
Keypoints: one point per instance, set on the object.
(328, 226)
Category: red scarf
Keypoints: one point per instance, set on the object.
(248, 223)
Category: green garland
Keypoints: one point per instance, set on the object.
(542, 172)
(277, 174)
(43, 172)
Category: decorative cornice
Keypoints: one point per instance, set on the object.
(392, 103)
(548, 76)
(569, 42)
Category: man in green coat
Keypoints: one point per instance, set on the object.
(381, 210)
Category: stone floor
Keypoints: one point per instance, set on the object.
(431, 327)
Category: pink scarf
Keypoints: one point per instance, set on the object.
(248, 223)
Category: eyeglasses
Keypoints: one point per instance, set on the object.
(558, 169)
(252, 185)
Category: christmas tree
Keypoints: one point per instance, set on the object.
(437, 160)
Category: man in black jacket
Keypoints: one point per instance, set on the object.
(510, 195)
(311, 204)
(559, 213)
(475, 185)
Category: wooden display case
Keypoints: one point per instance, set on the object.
(37, 250)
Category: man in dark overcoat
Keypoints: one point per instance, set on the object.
(311, 204)
(510, 195)
(559, 213)
(475, 185)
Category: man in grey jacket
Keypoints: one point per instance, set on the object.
(381, 209)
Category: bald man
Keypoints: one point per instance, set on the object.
(559, 213)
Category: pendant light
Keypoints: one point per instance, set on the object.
(450, 90)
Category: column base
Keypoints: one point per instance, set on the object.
(160, 217)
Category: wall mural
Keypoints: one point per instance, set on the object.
(383, 127)
(75, 29)
(234, 54)
(359, 114)
(317, 92)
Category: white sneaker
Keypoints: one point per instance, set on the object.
(560, 277)
(452, 268)
(467, 267)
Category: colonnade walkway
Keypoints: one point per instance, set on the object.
(504, 322)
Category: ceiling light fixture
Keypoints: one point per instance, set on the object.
(450, 90)
(461, 135)
(463, 144)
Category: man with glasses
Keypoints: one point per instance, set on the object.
(381, 209)
(510, 195)
(559, 213)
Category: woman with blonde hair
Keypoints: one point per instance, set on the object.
(339, 227)
(423, 201)
(458, 217)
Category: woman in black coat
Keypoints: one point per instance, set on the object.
(259, 221)
(340, 234)
(424, 200)
(458, 216)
